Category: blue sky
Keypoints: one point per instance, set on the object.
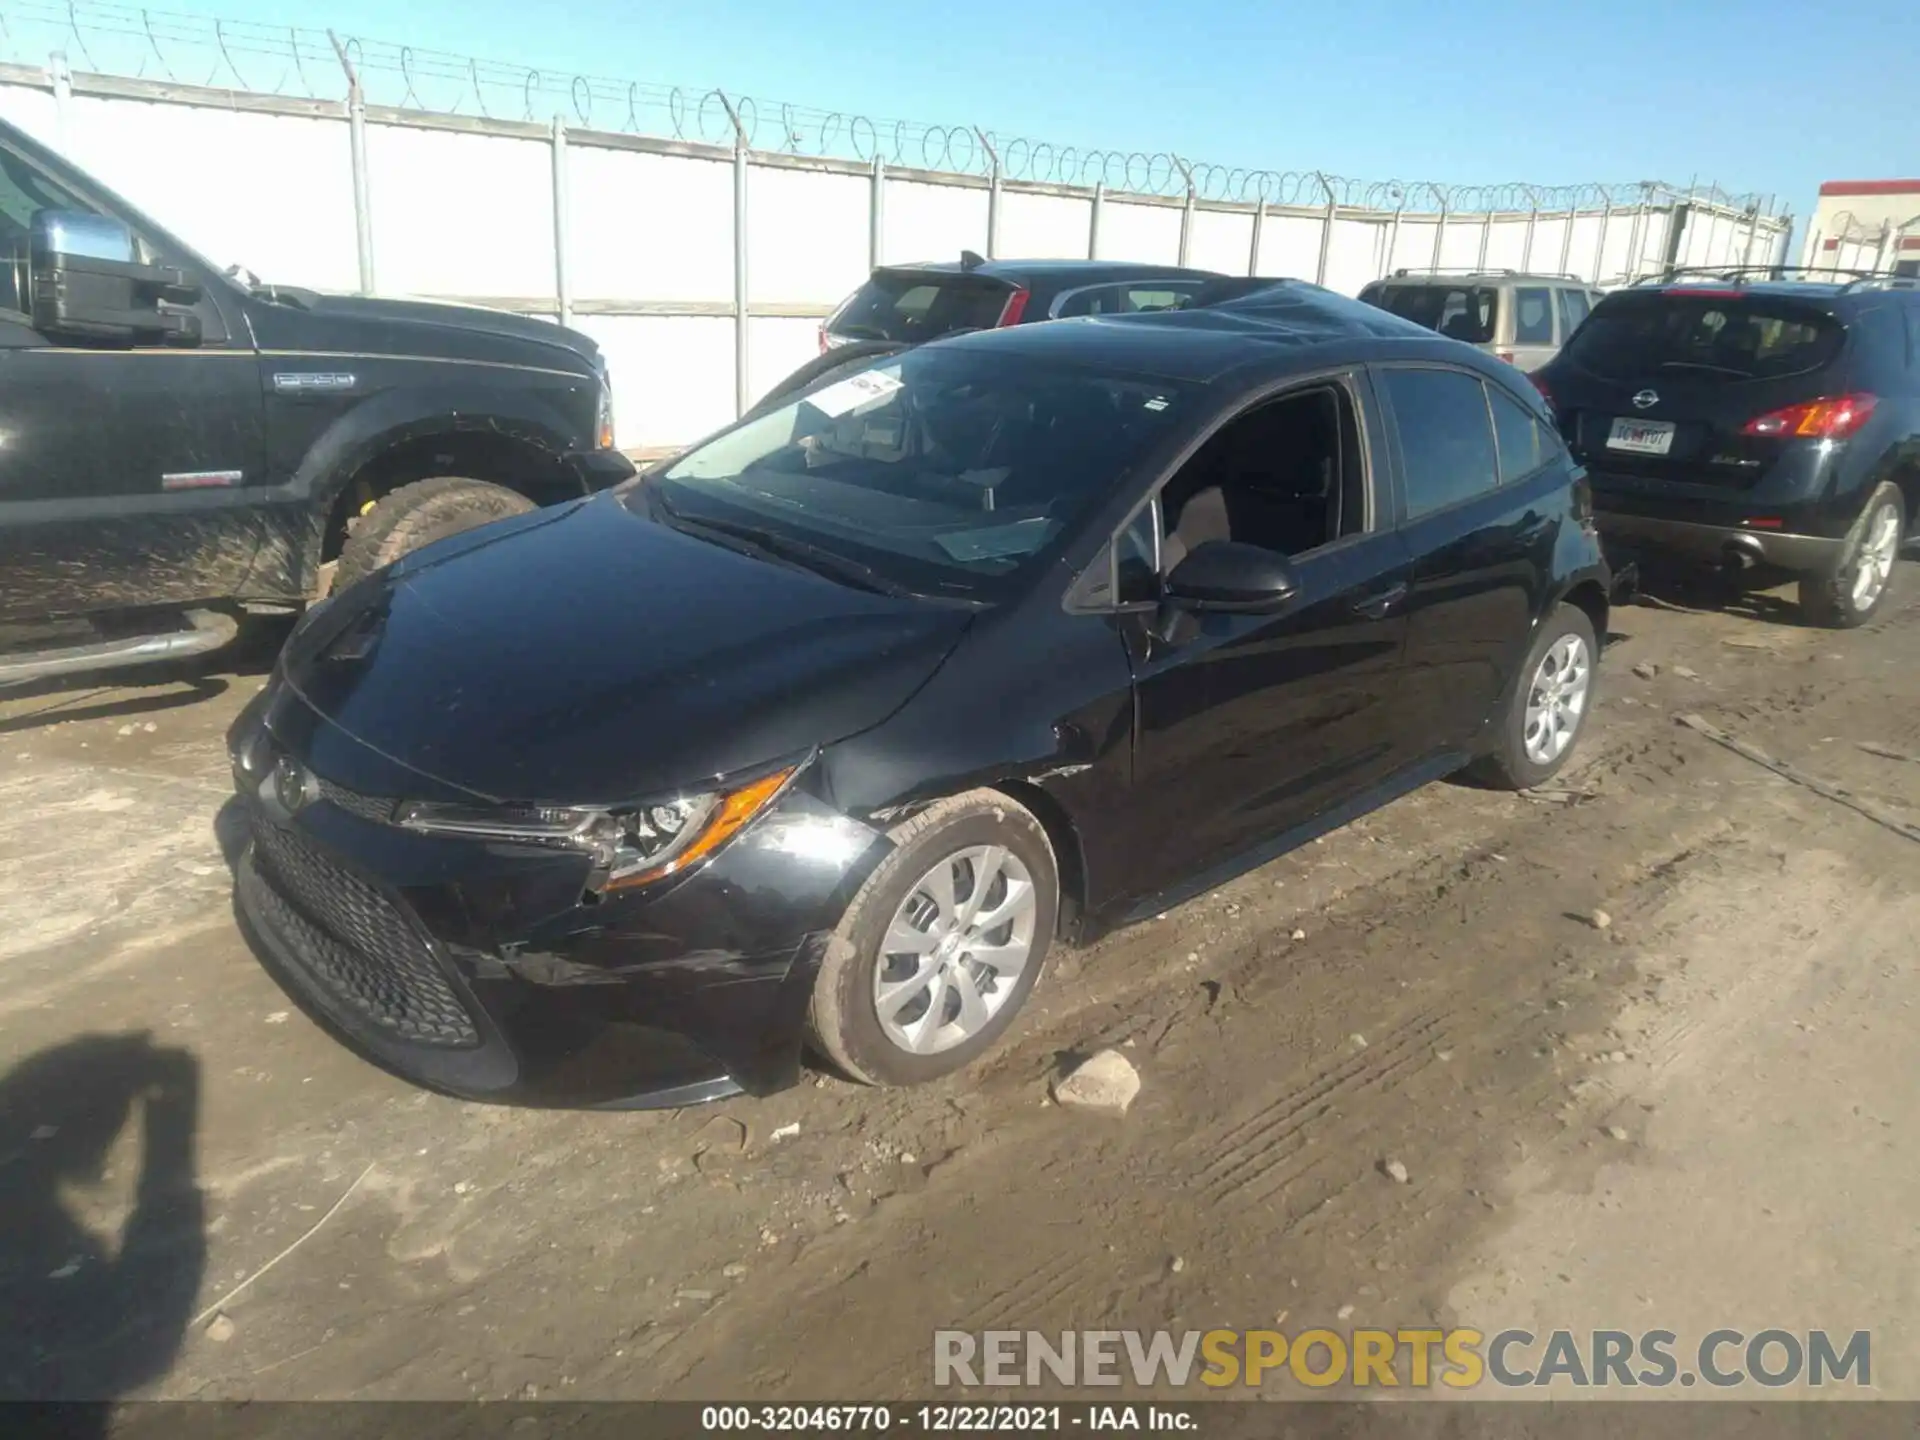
(1467, 92)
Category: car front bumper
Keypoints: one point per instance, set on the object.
(484, 970)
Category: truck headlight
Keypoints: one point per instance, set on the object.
(629, 846)
(604, 424)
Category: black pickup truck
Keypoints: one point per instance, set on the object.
(178, 444)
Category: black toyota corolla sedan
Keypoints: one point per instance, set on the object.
(826, 731)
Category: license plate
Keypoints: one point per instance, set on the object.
(1641, 437)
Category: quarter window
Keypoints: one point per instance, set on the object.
(1524, 443)
(1532, 316)
(1446, 438)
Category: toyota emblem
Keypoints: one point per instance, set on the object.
(1646, 400)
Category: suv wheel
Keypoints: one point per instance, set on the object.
(414, 515)
(1542, 719)
(1851, 590)
(942, 946)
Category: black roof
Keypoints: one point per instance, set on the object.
(1287, 325)
(1089, 272)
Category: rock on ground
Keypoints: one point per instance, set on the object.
(1104, 1081)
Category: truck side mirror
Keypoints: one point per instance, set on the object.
(90, 281)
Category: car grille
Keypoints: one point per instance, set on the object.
(356, 941)
(367, 807)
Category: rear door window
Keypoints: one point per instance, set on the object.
(1460, 312)
(1138, 297)
(1533, 315)
(1446, 437)
(1757, 338)
(909, 307)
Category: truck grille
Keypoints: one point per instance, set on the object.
(354, 940)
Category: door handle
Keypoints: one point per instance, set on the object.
(1380, 604)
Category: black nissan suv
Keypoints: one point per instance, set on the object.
(1768, 426)
(178, 443)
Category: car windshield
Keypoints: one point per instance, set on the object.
(939, 471)
(1460, 312)
(1630, 336)
(912, 307)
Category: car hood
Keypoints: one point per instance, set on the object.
(436, 315)
(594, 656)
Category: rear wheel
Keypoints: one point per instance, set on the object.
(1851, 591)
(942, 946)
(417, 514)
(1548, 708)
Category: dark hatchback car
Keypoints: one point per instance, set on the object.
(1770, 429)
(829, 728)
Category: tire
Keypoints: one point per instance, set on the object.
(1845, 594)
(1513, 765)
(413, 515)
(841, 357)
(845, 1018)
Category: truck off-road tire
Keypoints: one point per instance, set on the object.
(1852, 590)
(1542, 719)
(941, 946)
(850, 356)
(411, 516)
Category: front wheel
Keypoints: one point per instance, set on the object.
(1547, 709)
(942, 946)
(417, 514)
(1851, 591)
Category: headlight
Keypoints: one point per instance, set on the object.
(629, 846)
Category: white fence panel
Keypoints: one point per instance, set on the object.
(640, 226)
(1139, 232)
(1460, 242)
(806, 235)
(458, 214)
(1044, 227)
(1507, 243)
(1290, 245)
(776, 347)
(1221, 240)
(672, 375)
(932, 222)
(1412, 246)
(1354, 258)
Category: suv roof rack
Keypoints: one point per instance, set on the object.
(1406, 270)
(1741, 274)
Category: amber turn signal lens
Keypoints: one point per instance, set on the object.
(733, 812)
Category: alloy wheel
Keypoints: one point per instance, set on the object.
(1557, 699)
(1879, 548)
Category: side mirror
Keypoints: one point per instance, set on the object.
(90, 282)
(1227, 577)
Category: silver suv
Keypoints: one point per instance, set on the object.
(1521, 318)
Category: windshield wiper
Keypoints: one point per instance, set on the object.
(769, 545)
(1703, 365)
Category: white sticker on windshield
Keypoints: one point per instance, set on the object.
(845, 396)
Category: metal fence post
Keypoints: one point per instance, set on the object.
(993, 195)
(1393, 234)
(1880, 259)
(1326, 232)
(1186, 211)
(741, 393)
(1600, 250)
(1440, 230)
(1093, 219)
(876, 213)
(562, 286)
(1253, 248)
(357, 138)
(1486, 238)
(1636, 250)
(62, 99)
(1566, 239)
(1533, 223)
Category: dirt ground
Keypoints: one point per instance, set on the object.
(1427, 986)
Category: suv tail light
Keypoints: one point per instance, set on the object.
(1015, 308)
(1828, 418)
